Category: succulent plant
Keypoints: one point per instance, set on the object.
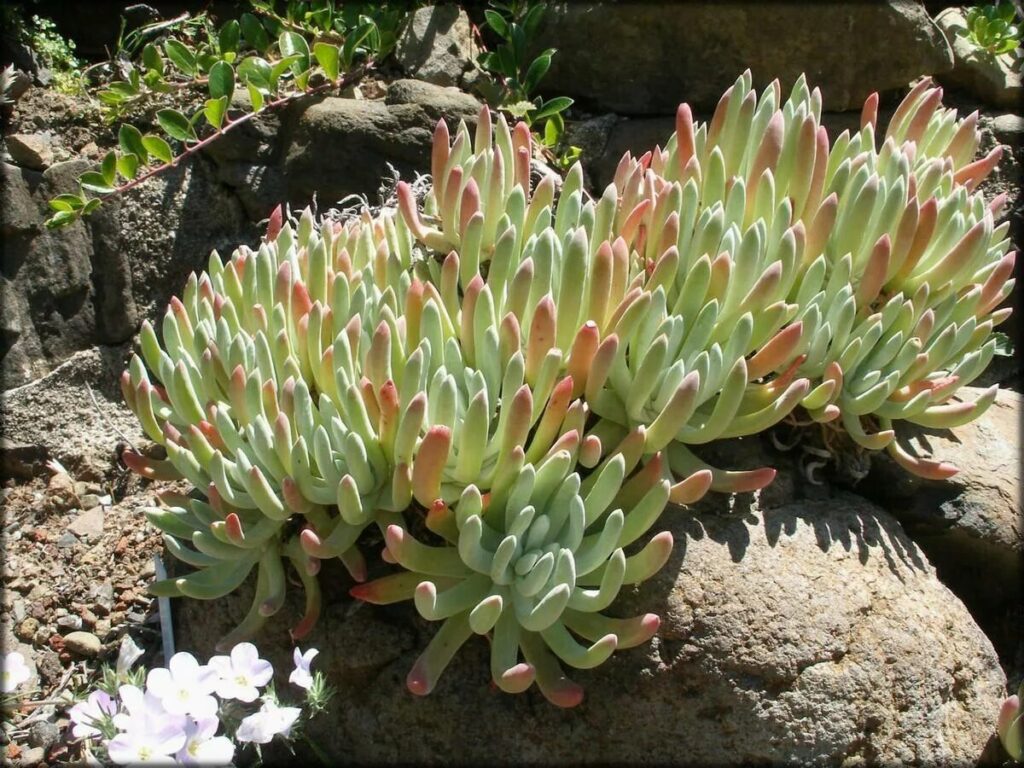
(746, 269)
(1010, 725)
(507, 364)
(533, 567)
(356, 409)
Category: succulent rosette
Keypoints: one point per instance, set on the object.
(532, 567)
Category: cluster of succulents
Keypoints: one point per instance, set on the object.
(507, 380)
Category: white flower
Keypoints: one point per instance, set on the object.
(127, 655)
(150, 734)
(15, 672)
(202, 747)
(98, 706)
(145, 712)
(242, 674)
(155, 747)
(271, 720)
(301, 676)
(185, 687)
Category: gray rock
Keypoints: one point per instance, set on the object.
(93, 281)
(591, 136)
(67, 540)
(83, 644)
(437, 45)
(44, 734)
(342, 146)
(89, 524)
(996, 80)
(54, 417)
(646, 57)
(970, 525)
(67, 624)
(32, 757)
(811, 633)
(31, 150)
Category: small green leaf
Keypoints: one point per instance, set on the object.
(551, 134)
(181, 56)
(158, 148)
(327, 57)
(91, 206)
(531, 22)
(205, 61)
(353, 41)
(214, 111)
(111, 97)
(552, 107)
(255, 70)
(130, 139)
(60, 219)
(228, 37)
(536, 72)
(175, 124)
(253, 32)
(124, 88)
(95, 181)
(109, 168)
(1004, 344)
(279, 68)
(293, 44)
(496, 22)
(66, 203)
(222, 80)
(128, 165)
(152, 59)
(302, 80)
(255, 96)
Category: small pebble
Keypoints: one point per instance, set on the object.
(104, 595)
(43, 734)
(67, 540)
(67, 624)
(90, 501)
(82, 644)
(102, 628)
(33, 756)
(27, 629)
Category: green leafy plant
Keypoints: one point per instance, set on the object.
(515, 77)
(54, 52)
(209, 65)
(994, 28)
(376, 25)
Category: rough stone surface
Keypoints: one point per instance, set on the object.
(654, 55)
(810, 633)
(970, 526)
(54, 418)
(30, 150)
(338, 147)
(94, 281)
(437, 45)
(89, 524)
(996, 80)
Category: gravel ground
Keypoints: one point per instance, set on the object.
(78, 557)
